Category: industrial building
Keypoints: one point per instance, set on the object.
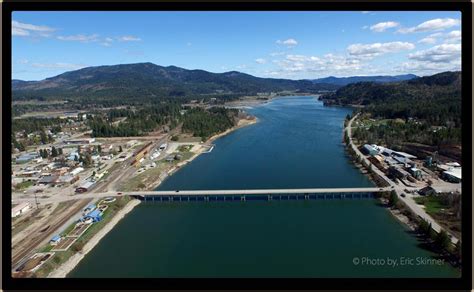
(27, 157)
(81, 141)
(85, 187)
(20, 209)
(369, 149)
(453, 174)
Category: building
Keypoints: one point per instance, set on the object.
(67, 179)
(27, 157)
(403, 154)
(90, 208)
(398, 172)
(20, 209)
(46, 180)
(416, 173)
(453, 175)
(81, 141)
(163, 146)
(95, 215)
(369, 150)
(55, 240)
(76, 171)
(85, 187)
(427, 191)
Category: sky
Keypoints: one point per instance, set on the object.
(293, 45)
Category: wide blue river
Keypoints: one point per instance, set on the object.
(295, 144)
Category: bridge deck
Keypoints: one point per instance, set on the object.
(257, 191)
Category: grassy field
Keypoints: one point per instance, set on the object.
(24, 185)
(62, 256)
(432, 204)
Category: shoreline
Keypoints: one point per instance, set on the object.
(63, 270)
(74, 260)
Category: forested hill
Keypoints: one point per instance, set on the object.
(435, 98)
(150, 81)
(342, 81)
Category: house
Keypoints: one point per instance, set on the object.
(73, 156)
(68, 179)
(55, 240)
(90, 208)
(20, 209)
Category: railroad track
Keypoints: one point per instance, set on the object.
(26, 247)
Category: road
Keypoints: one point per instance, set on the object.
(399, 189)
(97, 195)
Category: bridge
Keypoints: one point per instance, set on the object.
(212, 195)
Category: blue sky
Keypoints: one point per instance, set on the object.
(295, 45)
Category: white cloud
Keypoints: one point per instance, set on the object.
(365, 12)
(26, 29)
(376, 49)
(382, 26)
(432, 25)
(289, 42)
(59, 65)
(427, 40)
(80, 38)
(260, 61)
(129, 38)
(444, 53)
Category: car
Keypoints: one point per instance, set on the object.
(177, 191)
(119, 193)
(403, 195)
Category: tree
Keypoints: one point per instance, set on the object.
(120, 148)
(442, 240)
(54, 152)
(393, 198)
(99, 149)
(175, 138)
(43, 137)
(60, 151)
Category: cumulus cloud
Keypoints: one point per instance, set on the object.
(59, 65)
(328, 64)
(382, 26)
(260, 61)
(129, 38)
(432, 25)
(428, 40)
(438, 54)
(289, 42)
(80, 38)
(26, 29)
(376, 49)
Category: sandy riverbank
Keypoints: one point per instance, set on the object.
(72, 262)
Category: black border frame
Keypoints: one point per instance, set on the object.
(465, 282)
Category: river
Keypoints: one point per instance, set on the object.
(295, 144)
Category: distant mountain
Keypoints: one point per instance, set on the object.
(147, 80)
(436, 98)
(342, 81)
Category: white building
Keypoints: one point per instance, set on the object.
(20, 209)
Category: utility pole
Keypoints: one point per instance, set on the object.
(36, 200)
